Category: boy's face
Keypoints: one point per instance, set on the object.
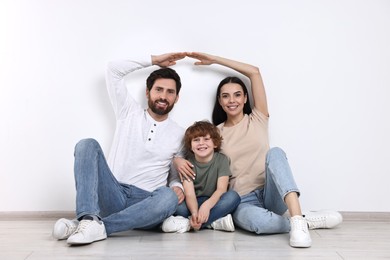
(203, 148)
(162, 97)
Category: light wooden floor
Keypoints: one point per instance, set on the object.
(354, 239)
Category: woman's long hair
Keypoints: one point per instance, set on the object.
(219, 115)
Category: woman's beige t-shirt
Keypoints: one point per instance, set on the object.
(247, 144)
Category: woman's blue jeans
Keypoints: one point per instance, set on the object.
(226, 205)
(120, 206)
(261, 211)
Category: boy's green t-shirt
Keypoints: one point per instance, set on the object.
(207, 174)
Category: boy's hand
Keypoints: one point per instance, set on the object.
(195, 224)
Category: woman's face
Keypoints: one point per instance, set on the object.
(232, 99)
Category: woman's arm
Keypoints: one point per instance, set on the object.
(250, 71)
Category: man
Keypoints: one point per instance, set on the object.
(130, 191)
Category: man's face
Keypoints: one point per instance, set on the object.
(162, 96)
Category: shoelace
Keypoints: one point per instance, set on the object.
(316, 222)
(82, 226)
(70, 229)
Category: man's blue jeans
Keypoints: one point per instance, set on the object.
(120, 206)
(226, 205)
(261, 210)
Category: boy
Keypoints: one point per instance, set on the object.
(207, 199)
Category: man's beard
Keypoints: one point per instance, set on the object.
(154, 107)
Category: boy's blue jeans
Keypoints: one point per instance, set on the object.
(226, 205)
(261, 211)
(120, 206)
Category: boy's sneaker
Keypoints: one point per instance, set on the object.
(88, 231)
(63, 228)
(323, 219)
(177, 224)
(225, 224)
(299, 232)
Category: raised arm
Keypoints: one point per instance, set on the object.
(250, 71)
(117, 70)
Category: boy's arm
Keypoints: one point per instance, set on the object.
(191, 201)
(222, 187)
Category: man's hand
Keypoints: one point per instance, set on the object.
(179, 192)
(168, 59)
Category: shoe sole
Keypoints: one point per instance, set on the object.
(86, 243)
(300, 244)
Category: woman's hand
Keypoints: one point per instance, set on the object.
(184, 168)
(204, 58)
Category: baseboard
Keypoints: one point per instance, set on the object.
(35, 215)
(366, 216)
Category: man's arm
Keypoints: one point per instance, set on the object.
(117, 70)
(117, 90)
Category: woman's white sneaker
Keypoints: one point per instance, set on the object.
(323, 219)
(299, 232)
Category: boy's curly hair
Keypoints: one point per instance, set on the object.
(202, 128)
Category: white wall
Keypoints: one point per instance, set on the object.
(325, 65)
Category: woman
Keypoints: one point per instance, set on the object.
(260, 175)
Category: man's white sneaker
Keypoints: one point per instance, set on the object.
(177, 224)
(88, 231)
(323, 219)
(225, 224)
(63, 228)
(299, 233)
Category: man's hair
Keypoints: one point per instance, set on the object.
(219, 115)
(202, 128)
(164, 73)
